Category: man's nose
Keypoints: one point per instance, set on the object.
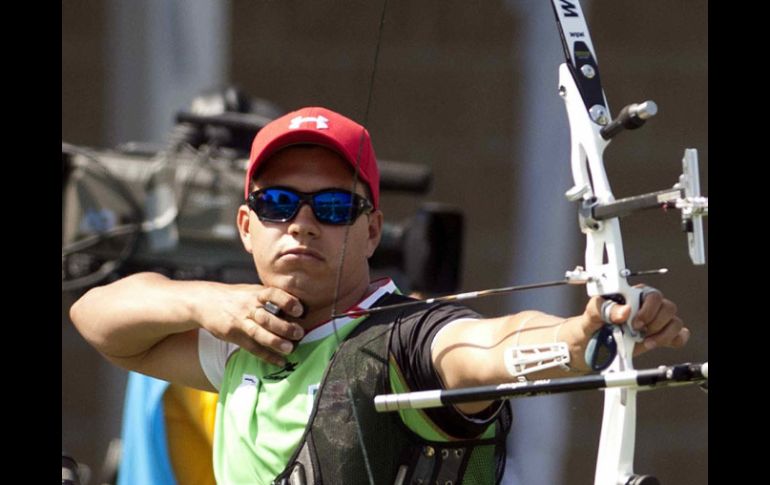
(304, 222)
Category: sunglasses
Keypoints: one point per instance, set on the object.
(330, 206)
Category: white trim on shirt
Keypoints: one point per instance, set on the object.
(213, 354)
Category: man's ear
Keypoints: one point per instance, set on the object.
(375, 232)
(244, 221)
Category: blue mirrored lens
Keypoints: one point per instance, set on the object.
(333, 207)
(277, 204)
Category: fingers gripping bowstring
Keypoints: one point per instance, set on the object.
(338, 284)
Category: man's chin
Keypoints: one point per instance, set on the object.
(304, 286)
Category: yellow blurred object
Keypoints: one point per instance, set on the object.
(190, 416)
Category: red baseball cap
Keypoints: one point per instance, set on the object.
(318, 126)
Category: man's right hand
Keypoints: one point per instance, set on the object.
(237, 314)
(148, 323)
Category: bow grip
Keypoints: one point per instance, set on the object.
(635, 299)
(602, 349)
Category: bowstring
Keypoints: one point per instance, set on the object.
(359, 431)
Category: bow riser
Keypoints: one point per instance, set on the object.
(603, 238)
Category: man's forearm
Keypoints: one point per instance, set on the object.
(484, 342)
(128, 317)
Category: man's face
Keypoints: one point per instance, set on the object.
(302, 256)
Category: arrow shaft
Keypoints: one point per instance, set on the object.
(456, 297)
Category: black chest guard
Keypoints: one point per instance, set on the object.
(330, 451)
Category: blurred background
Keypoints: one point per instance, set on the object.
(465, 91)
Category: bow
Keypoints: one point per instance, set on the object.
(604, 272)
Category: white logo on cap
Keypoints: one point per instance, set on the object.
(321, 123)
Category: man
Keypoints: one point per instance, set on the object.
(295, 388)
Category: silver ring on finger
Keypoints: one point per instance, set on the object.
(607, 310)
(272, 308)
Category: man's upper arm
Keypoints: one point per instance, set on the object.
(468, 354)
(174, 359)
(413, 351)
